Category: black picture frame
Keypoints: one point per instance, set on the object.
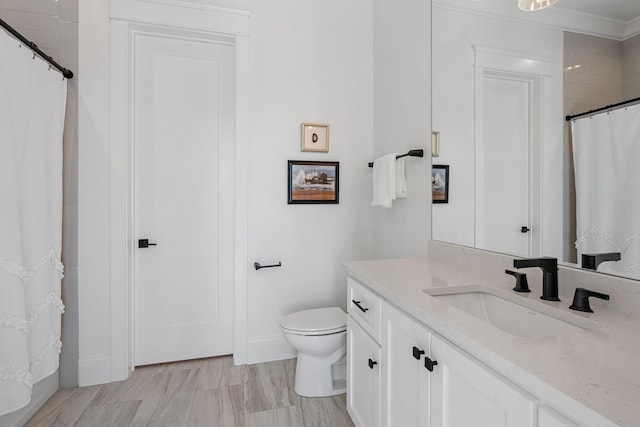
(440, 183)
(313, 182)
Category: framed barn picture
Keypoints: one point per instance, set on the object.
(313, 182)
(440, 183)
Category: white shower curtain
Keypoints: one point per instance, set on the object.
(32, 108)
(606, 149)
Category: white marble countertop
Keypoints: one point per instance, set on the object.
(591, 376)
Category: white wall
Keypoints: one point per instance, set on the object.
(402, 120)
(53, 26)
(310, 62)
(631, 70)
(93, 193)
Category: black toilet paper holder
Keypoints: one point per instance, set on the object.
(258, 266)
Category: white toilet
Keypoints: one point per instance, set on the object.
(319, 336)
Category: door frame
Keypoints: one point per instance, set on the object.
(121, 180)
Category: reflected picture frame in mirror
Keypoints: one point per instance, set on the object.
(440, 183)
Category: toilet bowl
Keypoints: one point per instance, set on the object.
(319, 336)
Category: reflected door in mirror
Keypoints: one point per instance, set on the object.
(502, 164)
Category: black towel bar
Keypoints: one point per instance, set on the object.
(411, 153)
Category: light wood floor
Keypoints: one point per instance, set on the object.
(204, 392)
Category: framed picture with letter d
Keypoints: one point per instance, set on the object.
(315, 137)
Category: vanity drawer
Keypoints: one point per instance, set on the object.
(364, 306)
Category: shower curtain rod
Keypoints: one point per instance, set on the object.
(31, 45)
(608, 107)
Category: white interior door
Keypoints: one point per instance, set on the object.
(183, 137)
(502, 166)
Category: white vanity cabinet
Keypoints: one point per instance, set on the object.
(405, 379)
(464, 392)
(363, 376)
(409, 376)
(428, 381)
(363, 355)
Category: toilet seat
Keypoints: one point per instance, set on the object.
(318, 321)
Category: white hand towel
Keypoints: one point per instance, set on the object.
(384, 177)
(401, 180)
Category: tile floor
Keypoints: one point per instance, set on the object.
(204, 392)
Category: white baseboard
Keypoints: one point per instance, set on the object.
(268, 349)
(94, 371)
(42, 391)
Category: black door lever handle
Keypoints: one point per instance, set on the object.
(144, 243)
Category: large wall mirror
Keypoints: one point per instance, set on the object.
(503, 82)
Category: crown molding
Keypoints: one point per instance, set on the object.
(202, 15)
(554, 17)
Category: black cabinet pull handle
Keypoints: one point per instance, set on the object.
(524, 229)
(357, 303)
(429, 364)
(372, 363)
(417, 353)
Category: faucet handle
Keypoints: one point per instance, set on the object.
(581, 299)
(521, 281)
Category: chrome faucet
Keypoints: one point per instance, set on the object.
(549, 266)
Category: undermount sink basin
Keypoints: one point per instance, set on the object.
(511, 313)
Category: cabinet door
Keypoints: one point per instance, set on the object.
(363, 376)
(405, 380)
(467, 393)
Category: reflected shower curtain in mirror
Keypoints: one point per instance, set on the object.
(606, 149)
(32, 108)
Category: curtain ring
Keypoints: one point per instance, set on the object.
(34, 55)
